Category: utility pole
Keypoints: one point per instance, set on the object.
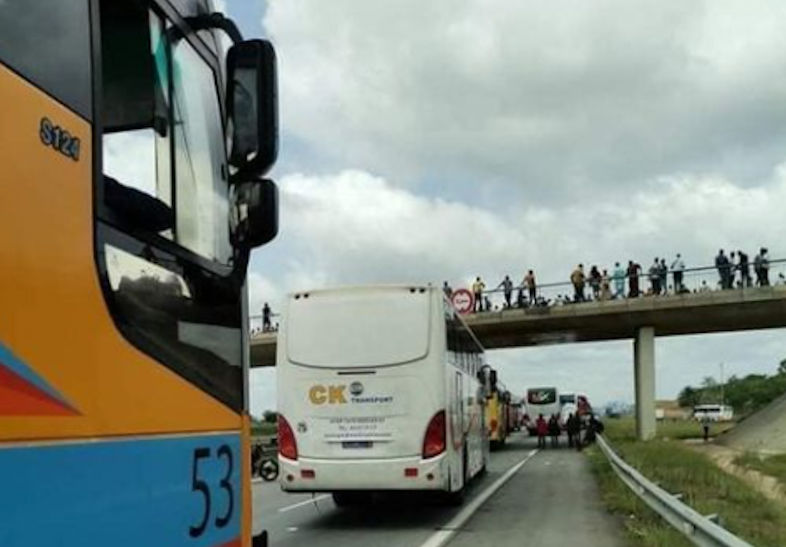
(723, 385)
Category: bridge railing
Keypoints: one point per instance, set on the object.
(700, 529)
(705, 279)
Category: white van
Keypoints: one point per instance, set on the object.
(714, 413)
(378, 389)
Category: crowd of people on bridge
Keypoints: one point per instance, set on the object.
(734, 270)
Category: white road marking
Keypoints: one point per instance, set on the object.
(441, 537)
(256, 480)
(291, 528)
(302, 503)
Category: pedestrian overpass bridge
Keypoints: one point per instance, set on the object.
(638, 319)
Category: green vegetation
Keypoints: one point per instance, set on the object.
(746, 395)
(266, 426)
(643, 526)
(774, 466)
(681, 429)
(706, 488)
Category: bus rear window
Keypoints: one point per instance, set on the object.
(346, 329)
(543, 396)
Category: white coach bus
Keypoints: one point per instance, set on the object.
(378, 390)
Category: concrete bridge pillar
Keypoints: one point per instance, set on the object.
(644, 378)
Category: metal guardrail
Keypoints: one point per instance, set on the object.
(700, 529)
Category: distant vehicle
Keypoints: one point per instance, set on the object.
(714, 413)
(541, 400)
(515, 415)
(379, 388)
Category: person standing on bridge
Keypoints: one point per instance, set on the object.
(477, 290)
(654, 275)
(663, 272)
(577, 278)
(677, 269)
(633, 279)
(724, 269)
(765, 267)
(507, 288)
(266, 318)
(619, 281)
(447, 289)
(532, 287)
(542, 429)
(605, 286)
(745, 270)
(594, 281)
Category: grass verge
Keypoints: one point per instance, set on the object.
(705, 487)
(774, 466)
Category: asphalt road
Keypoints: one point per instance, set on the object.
(550, 499)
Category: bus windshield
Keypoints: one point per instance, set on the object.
(541, 396)
(335, 330)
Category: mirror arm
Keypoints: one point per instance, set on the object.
(215, 21)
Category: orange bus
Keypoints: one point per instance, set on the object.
(132, 194)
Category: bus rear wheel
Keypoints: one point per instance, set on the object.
(456, 497)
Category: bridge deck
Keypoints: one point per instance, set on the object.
(715, 311)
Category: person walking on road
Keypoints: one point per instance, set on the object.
(507, 289)
(678, 269)
(705, 425)
(572, 427)
(554, 430)
(532, 287)
(542, 429)
(577, 278)
(477, 290)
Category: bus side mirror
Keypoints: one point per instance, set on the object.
(254, 213)
(252, 108)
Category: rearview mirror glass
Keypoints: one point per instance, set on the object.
(254, 213)
(252, 107)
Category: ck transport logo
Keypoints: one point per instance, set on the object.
(321, 394)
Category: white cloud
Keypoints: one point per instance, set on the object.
(353, 227)
(557, 100)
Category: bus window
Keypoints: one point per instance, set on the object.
(46, 42)
(163, 130)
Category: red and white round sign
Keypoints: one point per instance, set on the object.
(463, 301)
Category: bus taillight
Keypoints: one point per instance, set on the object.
(434, 440)
(287, 445)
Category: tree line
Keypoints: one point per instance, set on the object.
(746, 395)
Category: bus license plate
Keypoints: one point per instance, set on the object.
(357, 444)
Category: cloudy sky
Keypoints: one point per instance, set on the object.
(424, 142)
